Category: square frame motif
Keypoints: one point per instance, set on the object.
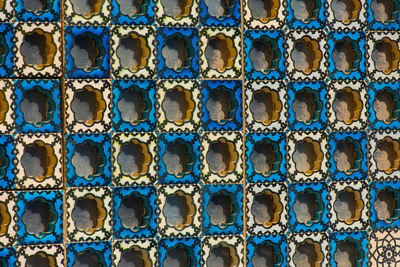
(147, 89)
(355, 86)
(318, 23)
(318, 36)
(56, 251)
(362, 140)
(235, 228)
(373, 25)
(236, 70)
(235, 88)
(185, 34)
(55, 179)
(360, 237)
(361, 224)
(100, 141)
(236, 176)
(119, 178)
(322, 173)
(105, 233)
(52, 90)
(194, 228)
(358, 24)
(373, 74)
(357, 38)
(374, 138)
(279, 87)
(103, 125)
(318, 89)
(375, 222)
(323, 224)
(21, 69)
(53, 197)
(280, 227)
(274, 37)
(190, 139)
(373, 89)
(193, 244)
(121, 232)
(146, 33)
(298, 238)
(277, 138)
(102, 71)
(192, 86)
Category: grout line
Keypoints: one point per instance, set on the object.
(244, 202)
(63, 124)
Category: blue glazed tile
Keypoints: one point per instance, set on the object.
(320, 220)
(360, 241)
(50, 12)
(191, 144)
(7, 51)
(234, 119)
(389, 189)
(101, 143)
(278, 143)
(100, 251)
(54, 230)
(190, 245)
(277, 42)
(360, 167)
(357, 69)
(7, 256)
(316, 21)
(147, 196)
(147, 89)
(7, 159)
(101, 37)
(231, 17)
(50, 89)
(390, 24)
(190, 68)
(316, 91)
(377, 89)
(233, 224)
(144, 17)
(276, 242)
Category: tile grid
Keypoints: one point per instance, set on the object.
(157, 132)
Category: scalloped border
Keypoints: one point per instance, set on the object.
(53, 181)
(194, 228)
(118, 178)
(105, 233)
